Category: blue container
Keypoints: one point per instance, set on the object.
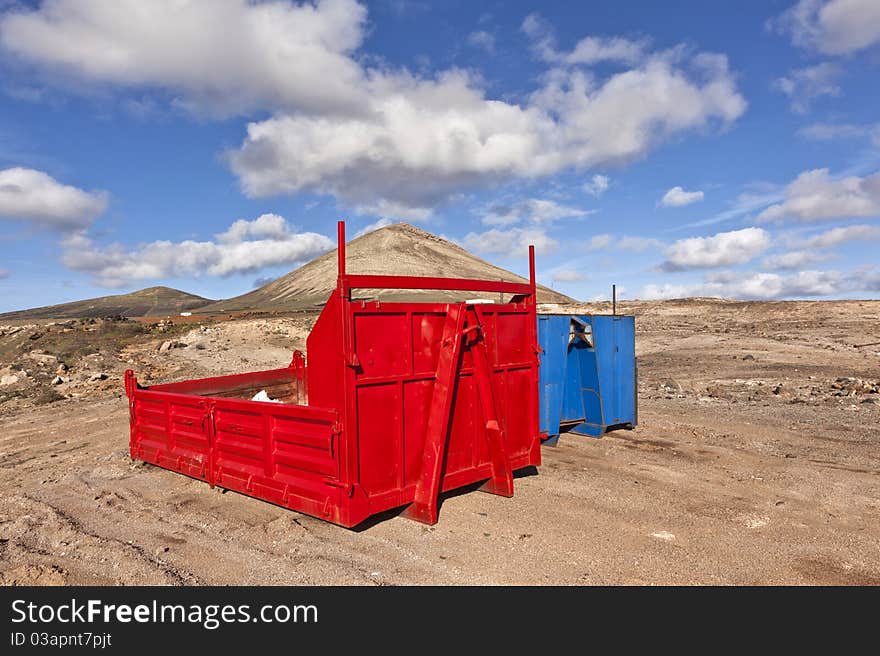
(587, 375)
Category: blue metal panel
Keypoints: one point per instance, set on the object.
(587, 375)
(553, 338)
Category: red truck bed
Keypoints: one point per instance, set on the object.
(398, 402)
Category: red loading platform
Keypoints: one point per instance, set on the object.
(396, 403)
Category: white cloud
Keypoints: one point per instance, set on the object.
(592, 50)
(841, 235)
(510, 242)
(804, 85)
(220, 56)
(265, 226)
(383, 140)
(794, 260)
(424, 141)
(769, 286)
(835, 27)
(246, 247)
(722, 249)
(392, 209)
(599, 242)
(638, 244)
(4, 273)
(534, 210)
(588, 51)
(381, 223)
(567, 275)
(836, 131)
(482, 39)
(815, 195)
(35, 196)
(678, 197)
(597, 186)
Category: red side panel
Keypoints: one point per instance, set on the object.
(283, 453)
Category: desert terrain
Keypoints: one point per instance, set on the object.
(756, 461)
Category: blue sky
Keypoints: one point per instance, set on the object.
(711, 149)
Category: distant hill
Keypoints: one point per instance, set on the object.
(398, 249)
(150, 302)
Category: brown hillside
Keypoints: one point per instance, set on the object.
(150, 302)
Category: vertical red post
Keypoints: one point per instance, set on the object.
(532, 272)
(340, 247)
(535, 455)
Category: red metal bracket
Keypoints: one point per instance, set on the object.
(348, 488)
(210, 428)
(424, 507)
(501, 482)
(297, 360)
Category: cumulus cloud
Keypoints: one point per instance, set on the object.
(769, 286)
(265, 226)
(588, 51)
(510, 242)
(567, 275)
(844, 234)
(385, 141)
(794, 260)
(678, 197)
(722, 249)
(246, 247)
(804, 85)
(534, 210)
(219, 56)
(30, 195)
(597, 186)
(482, 39)
(815, 196)
(428, 140)
(833, 27)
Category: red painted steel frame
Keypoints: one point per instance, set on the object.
(404, 401)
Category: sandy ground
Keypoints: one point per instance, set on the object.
(756, 460)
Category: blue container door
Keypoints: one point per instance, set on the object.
(553, 340)
(587, 381)
(622, 401)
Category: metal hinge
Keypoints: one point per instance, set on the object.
(335, 432)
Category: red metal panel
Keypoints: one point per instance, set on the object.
(458, 284)
(405, 400)
(380, 453)
(426, 330)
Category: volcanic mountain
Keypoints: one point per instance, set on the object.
(398, 249)
(150, 302)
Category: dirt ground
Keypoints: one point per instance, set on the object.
(756, 461)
